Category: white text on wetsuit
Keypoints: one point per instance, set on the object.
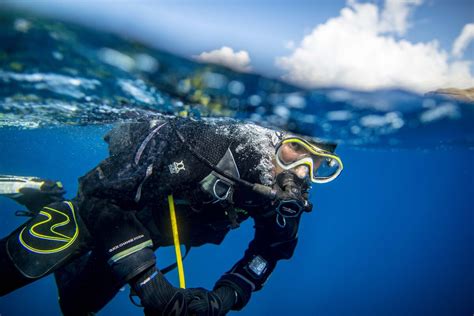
(125, 243)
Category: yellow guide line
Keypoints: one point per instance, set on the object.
(177, 246)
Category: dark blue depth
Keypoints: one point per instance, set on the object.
(392, 236)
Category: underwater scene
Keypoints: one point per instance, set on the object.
(392, 235)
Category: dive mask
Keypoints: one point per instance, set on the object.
(323, 165)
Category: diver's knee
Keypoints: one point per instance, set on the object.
(43, 244)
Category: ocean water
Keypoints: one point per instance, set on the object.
(391, 236)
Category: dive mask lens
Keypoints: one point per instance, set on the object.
(291, 152)
(324, 166)
(328, 169)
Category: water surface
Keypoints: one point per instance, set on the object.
(391, 236)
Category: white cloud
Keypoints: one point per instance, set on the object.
(394, 17)
(358, 50)
(463, 40)
(226, 56)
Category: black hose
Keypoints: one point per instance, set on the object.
(261, 189)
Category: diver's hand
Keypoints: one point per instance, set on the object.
(210, 303)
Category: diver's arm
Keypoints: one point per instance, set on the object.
(158, 296)
(125, 244)
(270, 244)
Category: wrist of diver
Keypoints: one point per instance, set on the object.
(228, 297)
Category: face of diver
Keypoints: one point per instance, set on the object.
(291, 152)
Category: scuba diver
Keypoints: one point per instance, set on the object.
(213, 173)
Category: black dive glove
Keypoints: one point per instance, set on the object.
(159, 297)
(211, 303)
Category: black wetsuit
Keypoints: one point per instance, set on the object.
(123, 205)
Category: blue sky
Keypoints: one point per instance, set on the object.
(270, 32)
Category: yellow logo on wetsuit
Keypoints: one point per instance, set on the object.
(51, 231)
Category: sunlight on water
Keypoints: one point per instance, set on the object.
(80, 77)
(392, 235)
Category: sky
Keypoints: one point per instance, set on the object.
(418, 45)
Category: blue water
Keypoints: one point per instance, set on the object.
(391, 236)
